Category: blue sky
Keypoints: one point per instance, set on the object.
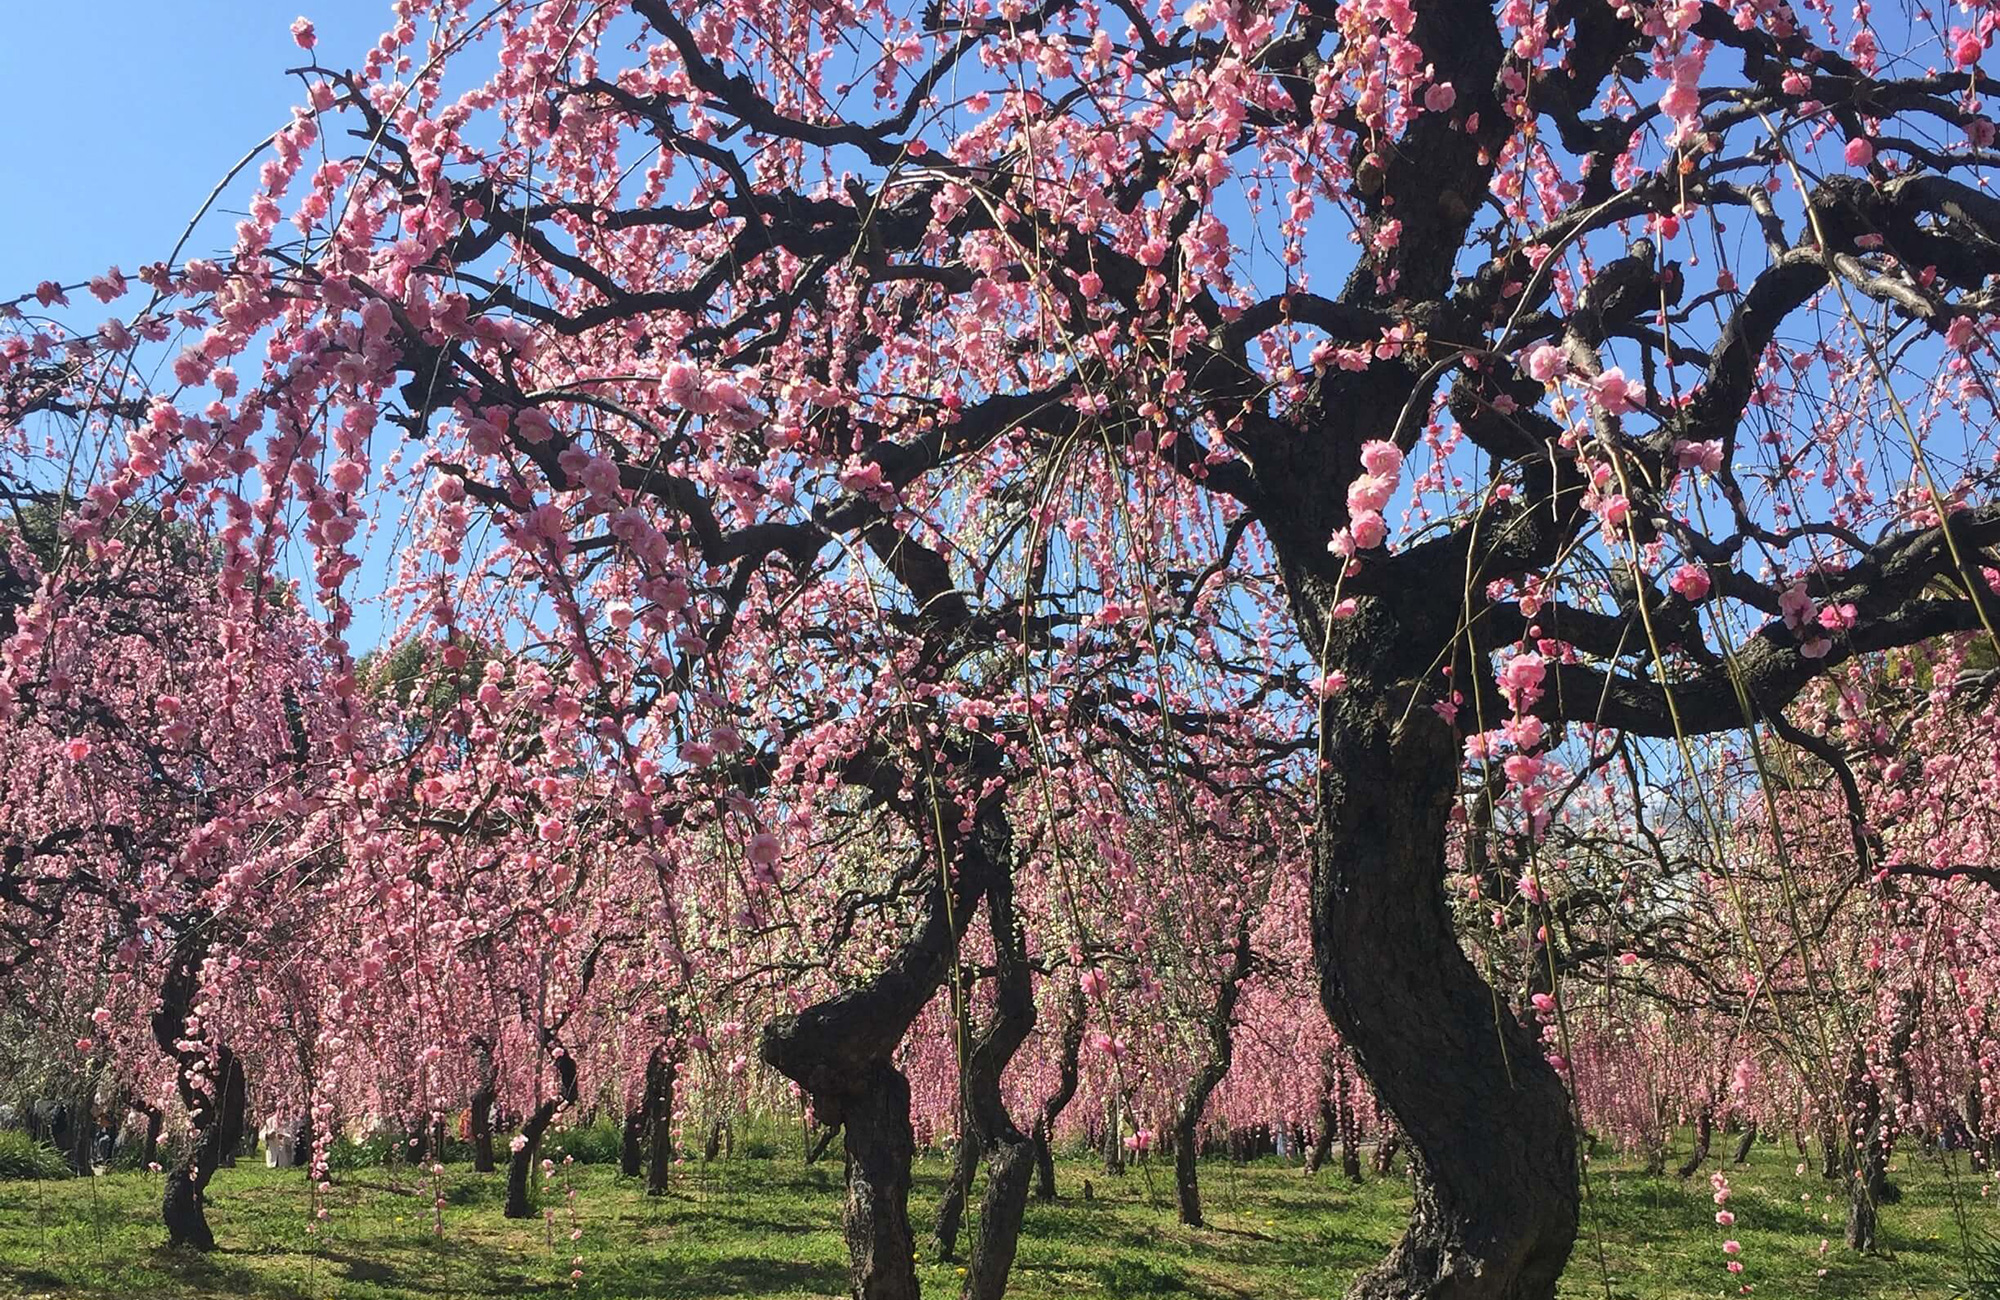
(122, 114)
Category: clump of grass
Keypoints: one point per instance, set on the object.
(23, 1157)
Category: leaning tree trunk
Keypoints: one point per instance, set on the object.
(1493, 1148)
(1194, 1100)
(155, 1121)
(521, 1164)
(951, 1206)
(662, 1071)
(1058, 1101)
(1744, 1144)
(481, 1120)
(1704, 1135)
(965, 1156)
(839, 1051)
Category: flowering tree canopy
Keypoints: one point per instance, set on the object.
(793, 427)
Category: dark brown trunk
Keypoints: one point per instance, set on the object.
(1350, 1124)
(1744, 1145)
(1322, 1143)
(839, 1051)
(951, 1206)
(1493, 1145)
(1009, 1152)
(235, 1100)
(155, 1120)
(662, 1072)
(1872, 1122)
(1704, 1136)
(631, 1144)
(481, 1121)
(521, 1164)
(1194, 1099)
(183, 1206)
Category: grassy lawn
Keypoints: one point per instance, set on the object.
(768, 1228)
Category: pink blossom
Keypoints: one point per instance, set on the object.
(1616, 394)
(302, 32)
(1381, 458)
(1369, 530)
(1860, 151)
(1545, 362)
(1690, 582)
(1440, 96)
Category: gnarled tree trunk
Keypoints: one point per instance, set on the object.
(1058, 1101)
(183, 1206)
(631, 1141)
(1873, 1125)
(521, 1164)
(1009, 1152)
(1194, 1100)
(839, 1052)
(1493, 1145)
(1704, 1135)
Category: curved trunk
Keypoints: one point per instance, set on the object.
(1874, 1125)
(951, 1207)
(183, 1206)
(521, 1165)
(1328, 1115)
(1493, 1148)
(235, 1102)
(155, 1120)
(1744, 1144)
(1009, 1152)
(1704, 1135)
(1058, 1101)
(1221, 1049)
(839, 1052)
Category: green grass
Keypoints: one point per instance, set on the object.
(768, 1228)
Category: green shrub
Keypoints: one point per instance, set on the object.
(22, 1156)
(594, 1143)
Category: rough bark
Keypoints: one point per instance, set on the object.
(1058, 1101)
(1873, 1124)
(183, 1206)
(1704, 1137)
(521, 1164)
(1496, 1202)
(155, 1120)
(1211, 1072)
(662, 1072)
(1744, 1145)
(631, 1141)
(1009, 1151)
(1350, 1125)
(839, 1052)
(958, 1187)
(235, 1102)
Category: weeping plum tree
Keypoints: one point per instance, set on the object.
(1581, 369)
